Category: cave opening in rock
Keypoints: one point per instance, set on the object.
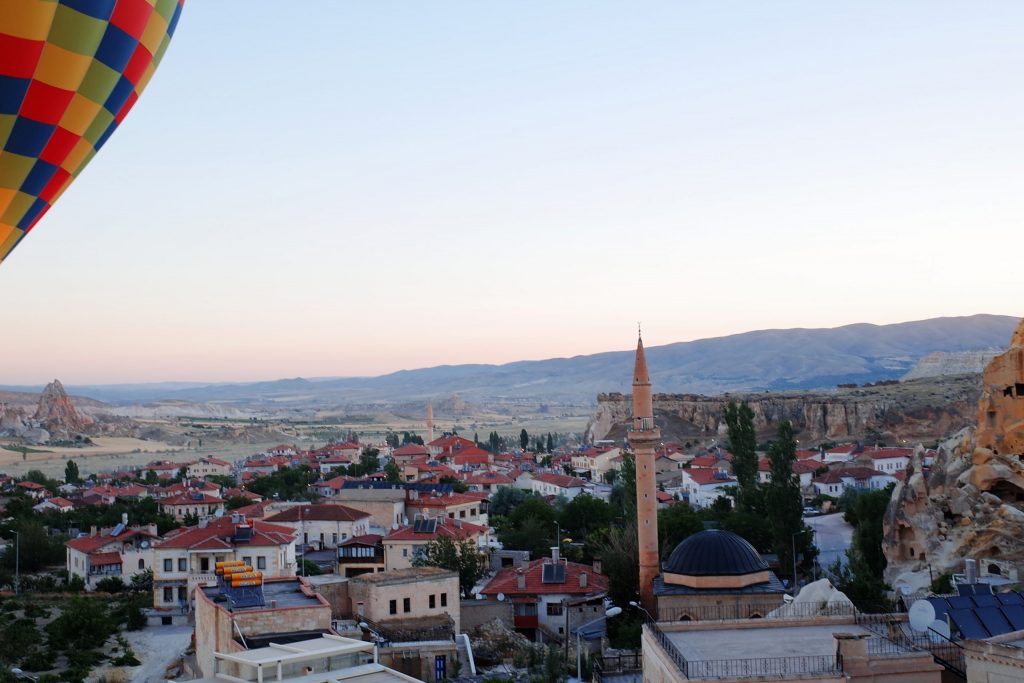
(1008, 492)
(995, 570)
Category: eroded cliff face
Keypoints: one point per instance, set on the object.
(971, 502)
(919, 410)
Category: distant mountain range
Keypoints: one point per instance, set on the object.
(764, 360)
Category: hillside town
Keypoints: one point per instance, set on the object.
(437, 557)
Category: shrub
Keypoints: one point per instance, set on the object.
(111, 584)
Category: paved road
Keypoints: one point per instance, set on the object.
(832, 535)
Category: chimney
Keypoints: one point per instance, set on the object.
(583, 579)
(93, 531)
(124, 518)
(971, 570)
(520, 580)
(554, 554)
(597, 565)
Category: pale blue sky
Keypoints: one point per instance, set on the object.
(329, 188)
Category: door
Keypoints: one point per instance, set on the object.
(440, 668)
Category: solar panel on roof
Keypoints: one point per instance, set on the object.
(960, 602)
(116, 531)
(969, 624)
(1015, 615)
(940, 605)
(993, 620)
(1011, 598)
(983, 600)
(553, 573)
(966, 589)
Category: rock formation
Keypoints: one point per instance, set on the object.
(970, 503)
(56, 414)
(945, 363)
(919, 410)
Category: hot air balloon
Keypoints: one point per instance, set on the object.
(70, 71)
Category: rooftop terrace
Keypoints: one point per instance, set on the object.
(276, 593)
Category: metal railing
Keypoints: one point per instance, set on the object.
(891, 627)
(617, 664)
(743, 612)
(781, 667)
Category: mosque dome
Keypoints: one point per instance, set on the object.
(715, 558)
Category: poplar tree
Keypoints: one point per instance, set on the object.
(743, 445)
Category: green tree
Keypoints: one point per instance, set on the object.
(370, 460)
(524, 439)
(36, 548)
(83, 624)
(676, 523)
(743, 446)
(461, 557)
(71, 474)
(110, 584)
(504, 500)
(783, 503)
(392, 439)
(619, 551)
(458, 485)
(408, 438)
(393, 473)
(550, 446)
(235, 502)
(151, 478)
(585, 514)
(623, 496)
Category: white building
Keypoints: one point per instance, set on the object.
(324, 526)
(551, 484)
(119, 552)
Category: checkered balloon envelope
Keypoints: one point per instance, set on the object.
(70, 71)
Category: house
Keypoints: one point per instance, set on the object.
(324, 526)
(888, 460)
(163, 468)
(58, 504)
(470, 506)
(449, 445)
(835, 482)
(333, 486)
(803, 469)
(551, 484)
(416, 470)
(403, 545)
(472, 458)
(396, 598)
(595, 462)
(195, 503)
(34, 490)
(842, 453)
(523, 480)
(331, 463)
(120, 551)
(281, 450)
(361, 555)
(208, 467)
(408, 452)
(542, 591)
(487, 482)
(186, 557)
(703, 486)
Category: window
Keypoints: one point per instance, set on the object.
(247, 560)
(182, 564)
(407, 605)
(433, 601)
(554, 609)
(405, 552)
(261, 562)
(168, 595)
(393, 607)
(182, 594)
(472, 512)
(142, 564)
(168, 565)
(334, 539)
(444, 599)
(462, 514)
(204, 564)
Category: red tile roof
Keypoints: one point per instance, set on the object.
(88, 544)
(409, 450)
(104, 559)
(219, 534)
(365, 539)
(319, 513)
(191, 499)
(885, 453)
(561, 480)
(704, 476)
(505, 581)
(445, 527)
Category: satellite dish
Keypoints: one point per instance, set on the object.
(922, 614)
(501, 597)
(905, 589)
(941, 627)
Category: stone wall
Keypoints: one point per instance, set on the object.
(477, 612)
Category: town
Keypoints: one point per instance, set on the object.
(433, 556)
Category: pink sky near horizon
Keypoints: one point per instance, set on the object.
(363, 188)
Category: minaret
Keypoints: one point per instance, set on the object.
(430, 422)
(643, 438)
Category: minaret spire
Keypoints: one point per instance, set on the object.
(643, 438)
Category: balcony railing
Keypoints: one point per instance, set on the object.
(740, 612)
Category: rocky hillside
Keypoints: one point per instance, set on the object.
(970, 502)
(919, 410)
(946, 363)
